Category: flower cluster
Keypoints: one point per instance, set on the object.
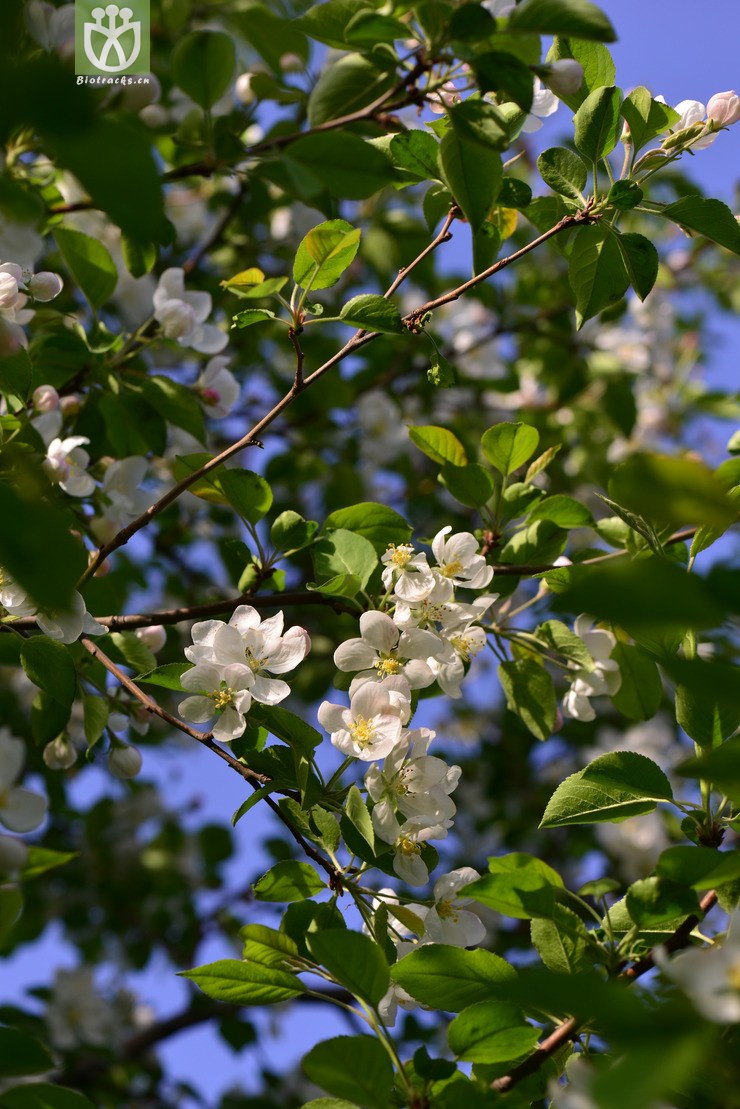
(66, 626)
(182, 315)
(16, 286)
(234, 664)
(722, 110)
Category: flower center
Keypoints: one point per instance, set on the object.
(733, 976)
(253, 662)
(446, 910)
(452, 569)
(362, 731)
(222, 698)
(407, 846)
(464, 646)
(387, 665)
(402, 554)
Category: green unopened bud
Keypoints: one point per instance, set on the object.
(681, 138)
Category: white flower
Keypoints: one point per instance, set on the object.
(370, 728)
(13, 855)
(462, 644)
(183, 315)
(153, 637)
(409, 570)
(544, 104)
(243, 88)
(407, 839)
(444, 97)
(223, 692)
(565, 76)
(690, 112)
(710, 977)
(69, 626)
(499, 8)
(8, 286)
(416, 787)
(76, 1013)
(59, 754)
(382, 650)
(122, 495)
(66, 464)
(395, 996)
(14, 598)
(218, 388)
(257, 644)
(458, 560)
(20, 809)
(446, 921)
(124, 761)
(605, 677)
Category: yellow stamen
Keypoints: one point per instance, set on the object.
(362, 731)
(386, 666)
(451, 569)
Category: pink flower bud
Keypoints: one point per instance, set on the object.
(153, 637)
(70, 405)
(565, 77)
(8, 290)
(45, 398)
(724, 108)
(45, 286)
(124, 762)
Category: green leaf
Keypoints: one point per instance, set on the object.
(11, 907)
(415, 152)
(710, 218)
(471, 485)
(530, 693)
(563, 511)
(288, 881)
(450, 978)
(720, 766)
(329, 1103)
(240, 983)
(15, 374)
(672, 491)
(354, 960)
(343, 163)
(350, 83)
(558, 637)
(356, 812)
(380, 525)
(40, 860)
(369, 28)
(247, 492)
(344, 552)
(497, 71)
(702, 868)
(641, 691)
(49, 665)
(612, 787)
(598, 123)
(290, 532)
(48, 717)
(251, 801)
(95, 715)
(341, 585)
(563, 942)
(327, 20)
(352, 1067)
(372, 312)
(564, 171)
(640, 260)
(126, 648)
(90, 264)
(250, 316)
(43, 1095)
(267, 946)
(653, 901)
(596, 61)
(139, 257)
(439, 444)
(167, 676)
(203, 64)
(518, 885)
(441, 373)
(645, 117)
(22, 1054)
(24, 549)
(625, 195)
(508, 446)
(491, 1032)
(176, 403)
(325, 253)
(285, 725)
(471, 169)
(563, 17)
(596, 272)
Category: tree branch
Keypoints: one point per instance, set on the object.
(569, 1028)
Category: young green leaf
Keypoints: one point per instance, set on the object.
(611, 787)
(356, 812)
(530, 693)
(241, 983)
(640, 260)
(352, 1067)
(641, 690)
(354, 960)
(288, 881)
(596, 272)
(250, 316)
(325, 253)
(203, 64)
(564, 171)
(167, 676)
(598, 123)
(49, 665)
(518, 885)
(595, 60)
(710, 218)
(89, 263)
(491, 1032)
(439, 444)
(471, 485)
(579, 18)
(372, 312)
(381, 525)
(645, 117)
(344, 552)
(450, 978)
(508, 446)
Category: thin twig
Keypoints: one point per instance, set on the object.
(569, 1028)
(293, 333)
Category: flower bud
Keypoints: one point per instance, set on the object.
(45, 286)
(59, 754)
(118, 721)
(8, 290)
(724, 108)
(154, 116)
(565, 77)
(13, 854)
(136, 97)
(153, 637)
(292, 63)
(243, 89)
(70, 405)
(45, 398)
(124, 762)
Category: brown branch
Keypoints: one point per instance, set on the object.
(293, 333)
(569, 1028)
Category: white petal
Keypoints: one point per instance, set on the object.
(354, 654)
(379, 631)
(22, 810)
(197, 709)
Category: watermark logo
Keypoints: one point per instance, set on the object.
(111, 40)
